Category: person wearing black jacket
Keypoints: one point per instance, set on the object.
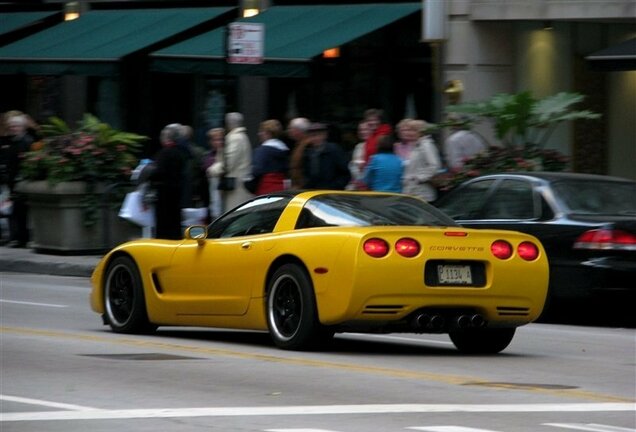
(12, 148)
(167, 179)
(325, 164)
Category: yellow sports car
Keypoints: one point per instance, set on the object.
(305, 265)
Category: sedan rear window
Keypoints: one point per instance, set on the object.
(369, 210)
(597, 197)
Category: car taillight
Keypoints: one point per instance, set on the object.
(375, 247)
(606, 239)
(528, 251)
(407, 247)
(501, 249)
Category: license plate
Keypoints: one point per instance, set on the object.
(454, 274)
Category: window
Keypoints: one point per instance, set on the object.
(258, 216)
(513, 199)
(369, 210)
(467, 202)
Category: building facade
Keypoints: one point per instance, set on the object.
(507, 46)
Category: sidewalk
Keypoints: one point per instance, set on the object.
(24, 260)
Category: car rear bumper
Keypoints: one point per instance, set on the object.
(600, 276)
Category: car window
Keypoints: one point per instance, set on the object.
(466, 202)
(258, 216)
(513, 199)
(369, 210)
(597, 196)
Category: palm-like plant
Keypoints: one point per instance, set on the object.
(520, 120)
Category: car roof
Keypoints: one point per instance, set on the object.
(555, 176)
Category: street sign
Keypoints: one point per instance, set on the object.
(245, 44)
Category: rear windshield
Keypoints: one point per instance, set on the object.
(597, 197)
(369, 210)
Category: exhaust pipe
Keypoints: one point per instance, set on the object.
(433, 322)
(463, 321)
(477, 321)
(422, 320)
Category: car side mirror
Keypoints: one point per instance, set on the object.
(197, 232)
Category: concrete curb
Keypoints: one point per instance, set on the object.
(28, 261)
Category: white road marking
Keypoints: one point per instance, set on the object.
(298, 430)
(449, 429)
(94, 414)
(33, 303)
(590, 427)
(44, 403)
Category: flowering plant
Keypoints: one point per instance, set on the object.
(523, 125)
(94, 152)
(502, 159)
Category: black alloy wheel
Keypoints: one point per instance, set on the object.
(124, 302)
(292, 318)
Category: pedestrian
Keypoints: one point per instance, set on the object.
(195, 192)
(234, 163)
(373, 118)
(422, 164)
(384, 170)
(461, 144)
(216, 136)
(407, 139)
(297, 134)
(270, 162)
(167, 179)
(13, 146)
(358, 159)
(324, 163)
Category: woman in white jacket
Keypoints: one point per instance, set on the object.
(421, 165)
(235, 161)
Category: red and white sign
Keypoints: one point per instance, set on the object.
(245, 43)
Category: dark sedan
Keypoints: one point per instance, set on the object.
(587, 224)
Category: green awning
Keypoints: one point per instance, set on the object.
(294, 35)
(94, 43)
(12, 21)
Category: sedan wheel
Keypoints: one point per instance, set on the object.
(482, 341)
(291, 309)
(124, 300)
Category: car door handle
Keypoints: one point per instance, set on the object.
(246, 245)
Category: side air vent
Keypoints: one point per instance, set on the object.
(383, 309)
(512, 311)
(157, 284)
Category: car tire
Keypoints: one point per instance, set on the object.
(124, 301)
(482, 341)
(292, 317)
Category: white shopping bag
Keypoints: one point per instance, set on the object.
(134, 210)
(194, 216)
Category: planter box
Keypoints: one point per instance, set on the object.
(57, 220)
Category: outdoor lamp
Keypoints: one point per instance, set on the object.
(71, 11)
(331, 53)
(250, 8)
(454, 89)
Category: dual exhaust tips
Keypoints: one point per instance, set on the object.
(437, 322)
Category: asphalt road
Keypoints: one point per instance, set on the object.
(61, 370)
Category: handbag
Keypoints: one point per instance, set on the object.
(251, 184)
(134, 210)
(226, 183)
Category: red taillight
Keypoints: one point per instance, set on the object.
(407, 247)
(501, 249)
(375, 247)
(606, 239)
(528, 251)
